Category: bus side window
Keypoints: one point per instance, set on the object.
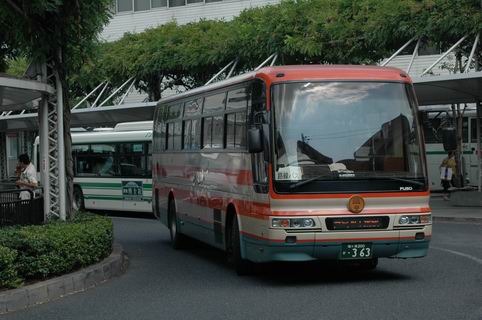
(236, 130)
(207, 132)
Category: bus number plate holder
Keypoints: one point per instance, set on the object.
(356, 251)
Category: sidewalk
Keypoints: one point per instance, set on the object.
(444, 211)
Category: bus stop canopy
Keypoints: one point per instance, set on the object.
(449, 89)
(86, 117)
(16, 93)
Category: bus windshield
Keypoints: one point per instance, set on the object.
(345, 131)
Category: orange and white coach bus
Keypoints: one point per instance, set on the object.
(295, 163)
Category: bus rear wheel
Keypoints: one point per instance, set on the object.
(78, 200)
(177, 239)
(242, 266)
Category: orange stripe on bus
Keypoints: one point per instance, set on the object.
(329, 212)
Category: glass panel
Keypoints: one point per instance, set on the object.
(187, 135)
(124, 5)
(240, 140)
(473, 129)
(142, 5)
(230, 124)
(99, 161)
(345, 130)
(158, 3)
(174, 112)
(218, 132)
(176, 3)
(196, 134)
(177, 136)
(170, 136)
(208, 129)
(132, 160)
(214, 103)
(238, 98)
(208, 1)
(194, 1)
(193, 107)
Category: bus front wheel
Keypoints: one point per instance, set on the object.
(177, 239)
(243, 267)
(78, 201)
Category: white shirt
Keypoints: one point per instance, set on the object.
(29, 175)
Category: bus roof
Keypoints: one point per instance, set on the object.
(303, 73)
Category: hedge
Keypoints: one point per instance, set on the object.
(38, 252)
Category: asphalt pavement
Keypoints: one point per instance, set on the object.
(196, 283)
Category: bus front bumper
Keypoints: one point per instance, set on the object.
(328, 245)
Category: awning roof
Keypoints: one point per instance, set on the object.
(16, 93)
(92, 117)
(448, 89)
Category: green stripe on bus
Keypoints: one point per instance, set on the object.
(110, 197)
(445, 152)
(108, 185)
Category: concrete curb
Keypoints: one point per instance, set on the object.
(457, 219)
(53, 289)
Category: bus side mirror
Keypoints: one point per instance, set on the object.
(255, 140)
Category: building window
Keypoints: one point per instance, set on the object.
(124, 5)
(194, 1)
(208, 1)
(158, 3)
(142, 5)
(177, 3)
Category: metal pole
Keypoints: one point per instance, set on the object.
(100, 95)
(127, 92)
(467, 67)
(60, 148)
(113, 93)
(265, 62)
(398, 52)
(415, 53)
(479, 147)
(274, 60)
(87, 96)
(232, 69)
(217, 74)
(444, 55)
(44, 163)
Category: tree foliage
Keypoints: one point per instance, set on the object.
(302, 31)
(59, 32)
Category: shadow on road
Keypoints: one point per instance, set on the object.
(289, 273)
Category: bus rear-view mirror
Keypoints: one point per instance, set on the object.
(255, 140)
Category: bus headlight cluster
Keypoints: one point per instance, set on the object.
(415, 219)
(292, 223)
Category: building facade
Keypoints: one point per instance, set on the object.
(137, 15)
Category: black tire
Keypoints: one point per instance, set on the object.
(177, 239)
(78, 199)
(243, 267)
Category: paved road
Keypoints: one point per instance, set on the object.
(196, 284)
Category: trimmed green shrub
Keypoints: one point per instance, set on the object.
(58, 247)
(8, 272)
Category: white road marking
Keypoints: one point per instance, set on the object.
(468, 256)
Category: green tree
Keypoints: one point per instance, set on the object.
(61, 32)
(302, 31)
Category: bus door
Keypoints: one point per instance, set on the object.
(134, 176)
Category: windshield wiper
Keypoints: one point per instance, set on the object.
(303, 182)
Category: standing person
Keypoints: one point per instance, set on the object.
(28, 176)
(447, 172)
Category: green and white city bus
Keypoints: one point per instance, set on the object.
(112, 167)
